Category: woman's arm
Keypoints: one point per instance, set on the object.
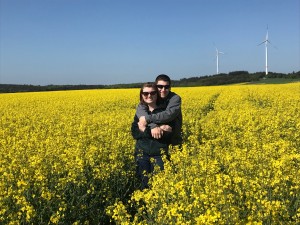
(136, 132)
(172, 110)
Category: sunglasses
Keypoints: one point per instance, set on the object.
(163, 86)
(145, 93)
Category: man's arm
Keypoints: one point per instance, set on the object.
(142, 111)
(170, 113)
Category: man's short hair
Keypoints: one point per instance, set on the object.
(163, 77)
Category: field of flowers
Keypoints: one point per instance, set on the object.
(66, 157)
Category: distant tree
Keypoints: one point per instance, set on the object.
(207, 80)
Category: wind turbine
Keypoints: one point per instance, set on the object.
(266, 41)
(217, 54)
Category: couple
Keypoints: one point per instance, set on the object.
(157, 124)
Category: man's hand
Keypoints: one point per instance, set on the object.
(143, 121)
(156, 132)
(166, 128)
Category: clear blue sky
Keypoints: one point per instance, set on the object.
(123, 41)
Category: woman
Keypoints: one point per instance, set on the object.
(148, 150)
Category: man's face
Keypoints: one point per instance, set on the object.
(163, 88)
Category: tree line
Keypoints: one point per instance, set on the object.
(208, 80)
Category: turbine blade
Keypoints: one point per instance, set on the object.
(261, 43)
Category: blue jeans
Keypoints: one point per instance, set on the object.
(145, 165)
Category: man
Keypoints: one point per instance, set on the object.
(172, 112)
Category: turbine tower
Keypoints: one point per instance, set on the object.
(266, 41)
(217, 54)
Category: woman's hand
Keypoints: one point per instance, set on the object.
(142, 126)
(166, 128)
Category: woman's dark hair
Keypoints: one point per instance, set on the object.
(149, 85)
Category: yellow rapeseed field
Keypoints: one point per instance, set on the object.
(66, 157)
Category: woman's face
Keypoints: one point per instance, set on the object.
(149, 95)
